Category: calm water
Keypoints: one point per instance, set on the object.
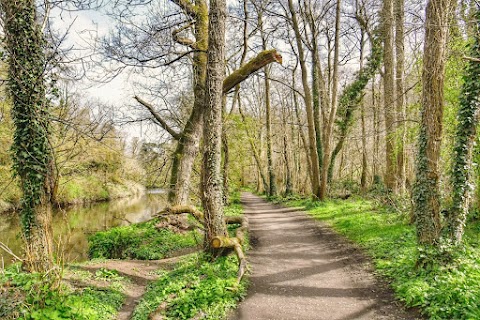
(72, 226)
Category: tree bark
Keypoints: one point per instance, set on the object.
(188, 143)
(426, 193)
(400, 95)
(363, 177)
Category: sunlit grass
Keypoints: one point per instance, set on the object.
(445, 291)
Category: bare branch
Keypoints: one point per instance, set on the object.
(187, 7)
(157, 117)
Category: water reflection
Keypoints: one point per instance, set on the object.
(73, 225)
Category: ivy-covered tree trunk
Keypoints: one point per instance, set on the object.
(464, 140)
(32, 156)
(351, 97)
(426, 193)
(212, 185)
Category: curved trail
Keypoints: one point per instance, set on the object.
(302, 270)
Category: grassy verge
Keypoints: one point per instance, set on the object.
(197, 287)
(444, 292)
(34, 296)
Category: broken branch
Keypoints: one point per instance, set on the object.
(261, 60)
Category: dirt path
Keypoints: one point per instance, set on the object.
(140, 273)
(302, 270)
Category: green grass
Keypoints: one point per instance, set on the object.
(34, 296)
(445, 291)
(140, 241)
(196, 287)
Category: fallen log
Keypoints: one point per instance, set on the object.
(197, 214)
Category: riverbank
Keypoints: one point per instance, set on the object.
(81, 190)
(189, 286)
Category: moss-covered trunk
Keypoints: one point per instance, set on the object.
(188, 143)
(389, 93)
(32, 156)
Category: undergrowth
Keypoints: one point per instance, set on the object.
(196, 288)
(140, 241)
(444, 291)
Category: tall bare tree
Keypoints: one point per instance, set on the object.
(389, 92)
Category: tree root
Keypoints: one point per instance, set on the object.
(234, 243)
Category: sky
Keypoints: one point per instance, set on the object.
(83, 27)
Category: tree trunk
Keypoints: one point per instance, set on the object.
(389, 93)
(212, 198)
(288, 169)
(363, 178)
(400, 96)
(328, 127)
(32, 154)
(272, 188)
(426, 193)
(188, 143)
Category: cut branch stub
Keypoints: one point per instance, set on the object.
(261, 60)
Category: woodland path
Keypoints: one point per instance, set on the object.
(303, 270)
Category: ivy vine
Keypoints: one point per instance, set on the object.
(352, 96)
(464, 139)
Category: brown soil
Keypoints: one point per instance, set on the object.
(303, 270)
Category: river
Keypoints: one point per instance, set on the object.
(72, 225)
